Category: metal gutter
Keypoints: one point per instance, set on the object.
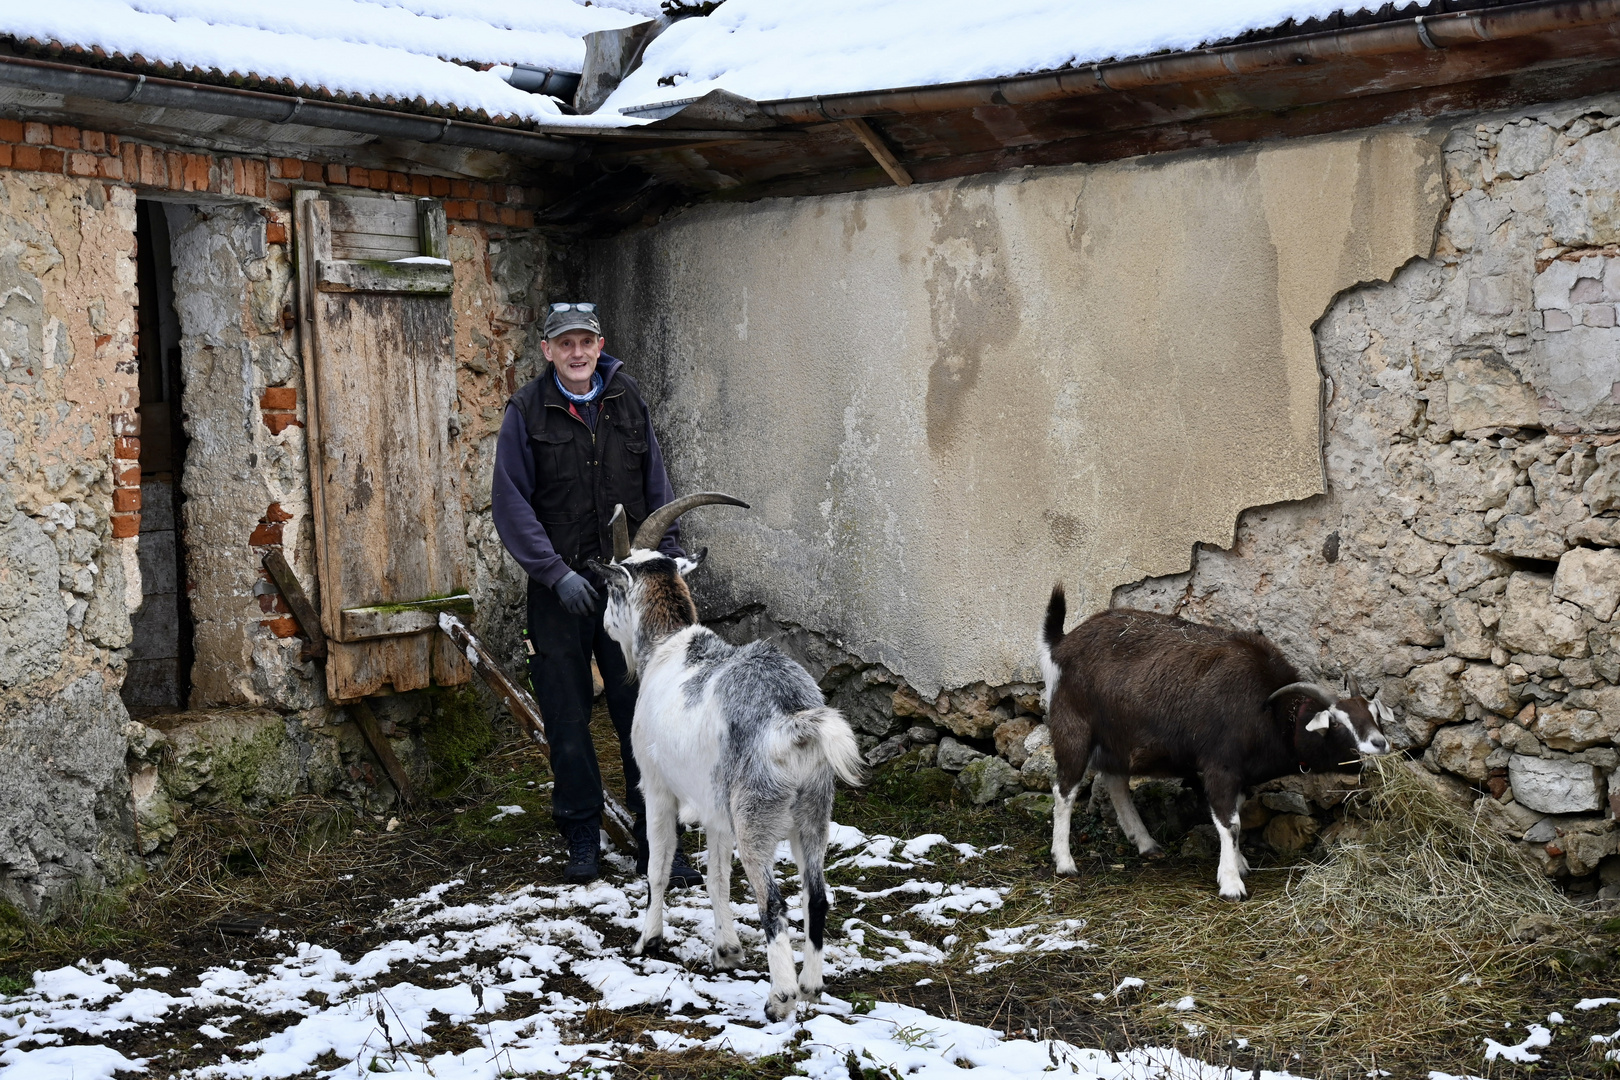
(127, 89)
(1425, 33)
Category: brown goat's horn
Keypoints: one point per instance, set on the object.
(1310, 690)
(1354, 684)
(658, 522)
(620, 527)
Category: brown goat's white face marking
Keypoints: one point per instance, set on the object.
(1361, 719)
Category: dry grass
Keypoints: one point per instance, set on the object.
(1395, 949)
(1403, 934)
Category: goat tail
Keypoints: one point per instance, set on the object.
(1057, 609)
(812, 736)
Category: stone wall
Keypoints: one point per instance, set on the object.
(1464, 558)
(259, 728)
(67, 305)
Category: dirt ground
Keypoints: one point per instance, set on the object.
(316, 872)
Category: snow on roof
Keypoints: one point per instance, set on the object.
(771, 49)
(373, 50)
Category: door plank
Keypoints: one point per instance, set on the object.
(374, 275)
(381, 375)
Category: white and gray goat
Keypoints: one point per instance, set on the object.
(1137, 693)
(737, 738)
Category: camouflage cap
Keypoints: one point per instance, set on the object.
(563, 317)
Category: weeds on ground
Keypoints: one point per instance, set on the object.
(1395, 946)
(1391, 950)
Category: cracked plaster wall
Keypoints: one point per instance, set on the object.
(1466, 555)
(938, 399)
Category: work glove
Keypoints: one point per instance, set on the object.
(576, 594)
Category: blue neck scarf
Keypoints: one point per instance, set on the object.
(580, 399)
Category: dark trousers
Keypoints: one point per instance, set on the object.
(560, 672)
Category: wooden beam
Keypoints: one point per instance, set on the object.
(879, 150)
(384, 276)
(385, 753)
(615, 818)
(281, 572)
(432, 228)
(392, 620)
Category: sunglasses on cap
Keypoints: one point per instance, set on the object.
(586, 308)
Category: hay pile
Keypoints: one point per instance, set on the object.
(1414, 860)
(1403, 933)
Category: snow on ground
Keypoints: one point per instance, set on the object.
(767, 49)
(466, 962)
(374, 48)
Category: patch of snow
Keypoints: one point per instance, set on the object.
(494, 949)
(403, 49)
(770, 49)
(1538, 1039)
(1185, 1004)
(428, 260)
(69, 1063)
(1018, 939)
(1595, 1003)
(70, 982)
(916, 848)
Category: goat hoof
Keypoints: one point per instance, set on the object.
(783, 1004)
(641, 947)
(810, 993)
(1154, 853)
(1068, 871)
(1237, 897)
(727, 957)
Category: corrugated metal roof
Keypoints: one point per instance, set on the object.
(419, 55)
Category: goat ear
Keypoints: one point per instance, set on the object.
(1319, 722)
(686, 566)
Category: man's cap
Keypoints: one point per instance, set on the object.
(563, 317)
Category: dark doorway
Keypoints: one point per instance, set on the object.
(159, 677)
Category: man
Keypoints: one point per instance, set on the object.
(575, 441)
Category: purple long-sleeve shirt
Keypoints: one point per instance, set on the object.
(512, 494)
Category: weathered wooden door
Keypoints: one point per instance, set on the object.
(379, 367)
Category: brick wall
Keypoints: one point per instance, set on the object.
(65, 150)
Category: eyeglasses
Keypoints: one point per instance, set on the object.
(586, 308)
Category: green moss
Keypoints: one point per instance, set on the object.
(457, 737)
(459, 603)
(904, 782)
(82, 921)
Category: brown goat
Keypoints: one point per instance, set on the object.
(1136, 693)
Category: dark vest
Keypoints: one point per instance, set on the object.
(580, 474)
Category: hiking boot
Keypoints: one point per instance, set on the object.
(683, 874)
(584, 849)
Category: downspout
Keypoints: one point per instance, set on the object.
(1425, 33)
(126, 89)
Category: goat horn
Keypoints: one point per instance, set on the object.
(1354, 684)
(658, 522)
(620, 527)
(1310, 690)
